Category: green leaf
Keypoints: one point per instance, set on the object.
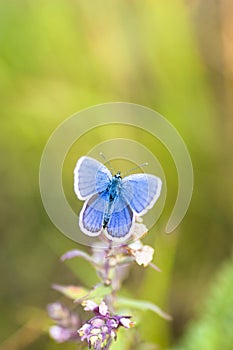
(142, 305)
(96, 294)
(72, 292)
(79, 294)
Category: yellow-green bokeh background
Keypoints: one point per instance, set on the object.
(59, 56)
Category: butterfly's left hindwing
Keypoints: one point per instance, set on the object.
(90, 177)
(92, 214)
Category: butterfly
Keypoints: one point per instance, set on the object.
(112, 202)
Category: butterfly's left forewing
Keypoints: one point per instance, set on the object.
(141, 191)
(90, 177)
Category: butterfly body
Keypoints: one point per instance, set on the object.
(113, 190)
(111, 203)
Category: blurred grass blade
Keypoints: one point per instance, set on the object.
(28, 333)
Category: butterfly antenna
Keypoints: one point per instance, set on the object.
(109, 164)
(135, 168)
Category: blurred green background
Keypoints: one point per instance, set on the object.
(174, 56)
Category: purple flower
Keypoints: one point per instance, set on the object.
(62, 334)
(67, 323)
(101, 329)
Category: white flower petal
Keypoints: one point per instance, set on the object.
(103, 309)
(126, 322)
(138, 219)
(144, 256)
(89, 305)
(139, 230)
(137, 245)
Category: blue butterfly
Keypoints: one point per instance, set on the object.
(111, 203)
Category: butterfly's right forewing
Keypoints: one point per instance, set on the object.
(90, 177)
(141, 191)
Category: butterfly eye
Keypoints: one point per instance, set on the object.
(118, 175)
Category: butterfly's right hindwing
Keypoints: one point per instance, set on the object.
(121, 221)
(90, 177)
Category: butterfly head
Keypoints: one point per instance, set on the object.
(118, 175)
